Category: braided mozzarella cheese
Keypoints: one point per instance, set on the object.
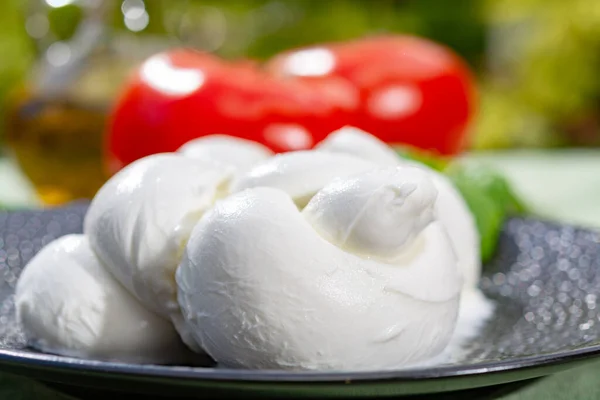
(365, 277)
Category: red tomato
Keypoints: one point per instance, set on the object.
(180, 95)
(412, 91)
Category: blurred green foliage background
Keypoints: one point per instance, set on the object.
(536, 61)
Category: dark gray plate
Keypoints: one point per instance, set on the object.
(545, 280)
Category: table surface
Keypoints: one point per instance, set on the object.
(559, 185)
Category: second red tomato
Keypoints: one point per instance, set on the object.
(412, 91)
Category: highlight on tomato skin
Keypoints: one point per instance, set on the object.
(153, 109)
(412, 91)
(183, 94)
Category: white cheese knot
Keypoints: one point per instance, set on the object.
(265, 285)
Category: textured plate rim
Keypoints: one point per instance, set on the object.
(66, 364)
